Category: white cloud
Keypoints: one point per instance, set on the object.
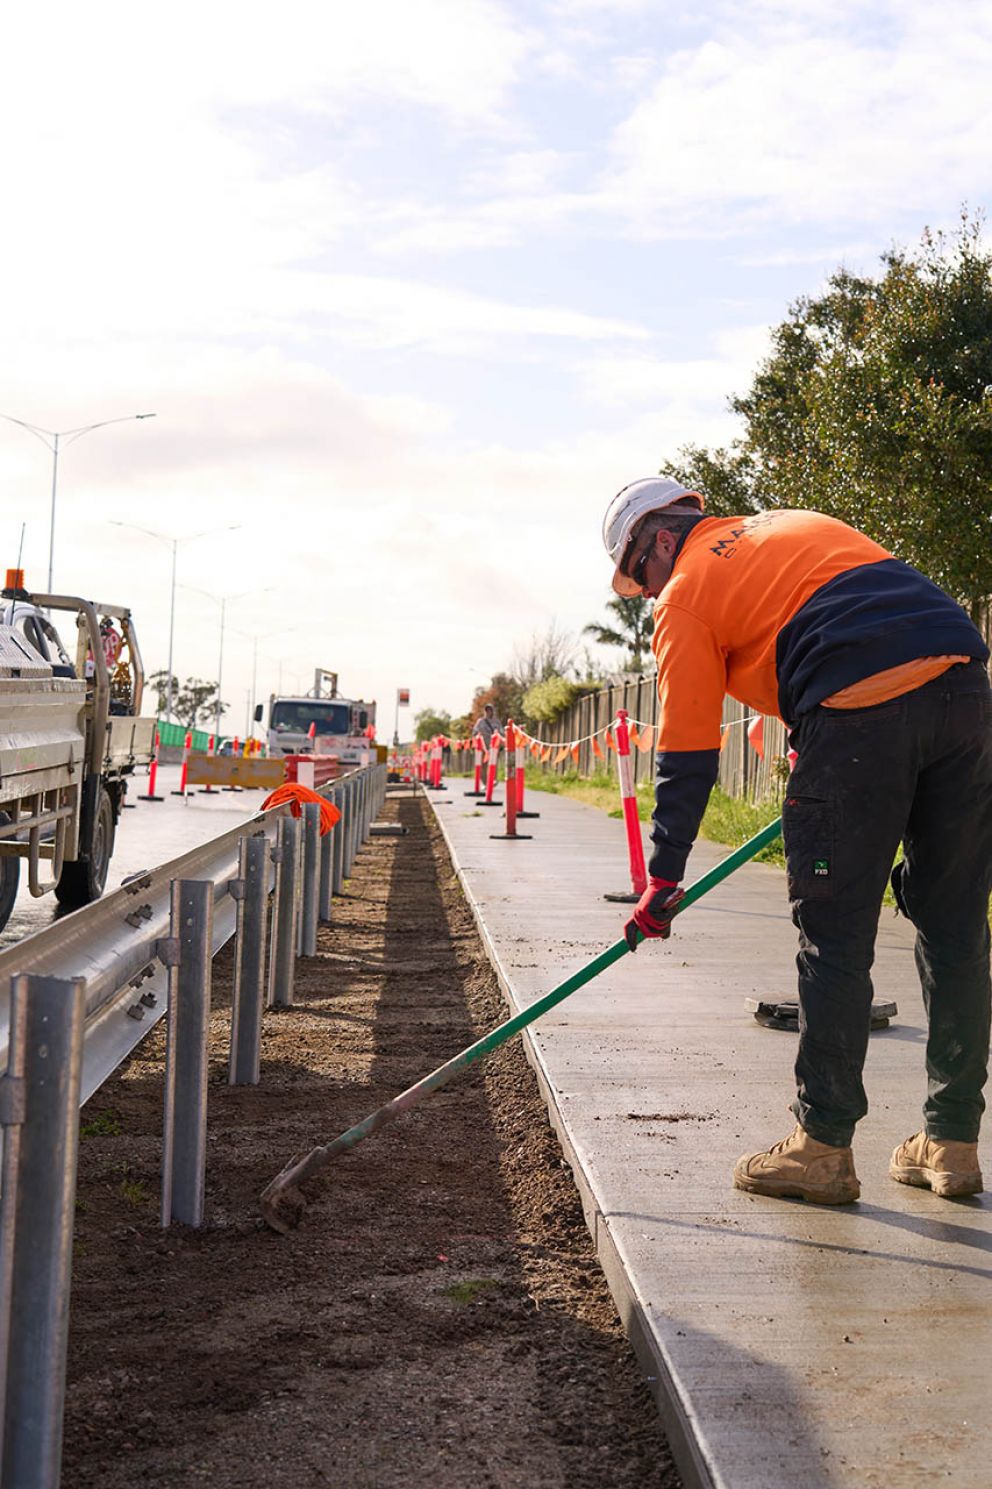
(782, 115)
(690, 395)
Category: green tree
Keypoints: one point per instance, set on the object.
(506, 696)
(631, 627)
(875, 406)
(431, 721)
(193, 702)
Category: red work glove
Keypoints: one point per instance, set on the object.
(655, 908)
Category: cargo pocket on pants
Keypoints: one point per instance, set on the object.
(808, 830)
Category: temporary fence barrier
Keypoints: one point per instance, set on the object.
(173, 735)
(77, 998)
(234, 772)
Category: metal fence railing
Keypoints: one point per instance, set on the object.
(79, 996)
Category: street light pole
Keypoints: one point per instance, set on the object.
(222, 601)
(172, 623)
(51, 438)
(168, 538)
(220, 672)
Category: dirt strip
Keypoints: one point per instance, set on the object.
(439, 1316)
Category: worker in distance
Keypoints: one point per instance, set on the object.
(881, 680)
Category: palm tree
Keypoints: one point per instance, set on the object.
(632, 629)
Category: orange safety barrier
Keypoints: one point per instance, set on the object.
(312, 770)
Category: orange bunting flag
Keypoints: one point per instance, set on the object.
(596, 749)
(646, 740)
(535, 748)
(561, 754)
(724, 736)
(610, 741)
(756, 735)
(546, 754)
(574, 752)
(635, 738)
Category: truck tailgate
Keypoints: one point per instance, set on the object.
(129, 743)
(41, 735)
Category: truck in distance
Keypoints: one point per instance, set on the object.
(321, 722)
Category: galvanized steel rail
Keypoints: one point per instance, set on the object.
(78, 997)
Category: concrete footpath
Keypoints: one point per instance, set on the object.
(789, 1344)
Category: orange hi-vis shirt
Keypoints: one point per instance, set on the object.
(784, 610)
(736, 583)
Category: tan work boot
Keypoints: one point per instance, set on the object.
(800, 1168)
(935, 1163)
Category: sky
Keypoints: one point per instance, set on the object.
(413, 287)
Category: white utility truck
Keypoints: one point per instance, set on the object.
(70, 737)
(320, 722)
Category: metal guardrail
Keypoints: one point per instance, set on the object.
(79, 996)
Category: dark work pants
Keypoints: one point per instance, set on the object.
(916, 770)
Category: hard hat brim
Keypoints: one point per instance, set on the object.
(624, 586)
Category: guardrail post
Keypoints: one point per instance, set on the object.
(283, 955)
(340, 833)
(350, 817)
(310, 887)
(188, 955)
(249, 963)
(325, 889)
(39, 1112)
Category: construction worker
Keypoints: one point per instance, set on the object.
(881, 680)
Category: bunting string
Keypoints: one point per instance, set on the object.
(641, 732)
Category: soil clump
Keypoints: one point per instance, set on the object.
(439, 1316)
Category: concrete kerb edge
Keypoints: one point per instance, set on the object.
(687, 1449)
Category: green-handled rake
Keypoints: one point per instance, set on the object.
(282, 1203)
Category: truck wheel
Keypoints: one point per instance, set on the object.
(10, 875)
(83, 882)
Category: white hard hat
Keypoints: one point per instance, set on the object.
(629, 506)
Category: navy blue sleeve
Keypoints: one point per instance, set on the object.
(683, 782)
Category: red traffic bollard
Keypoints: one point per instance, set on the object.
(208, 790)
(635, 843)
(492, 771)
(153, 774)
(511, 789)
(187, 746)
(519, 755)
(477, 785)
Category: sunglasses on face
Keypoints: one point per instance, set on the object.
(638, 572)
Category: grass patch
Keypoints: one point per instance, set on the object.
(467, 1292)
(101, 1124)
(727, 820)
(133, 1191)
